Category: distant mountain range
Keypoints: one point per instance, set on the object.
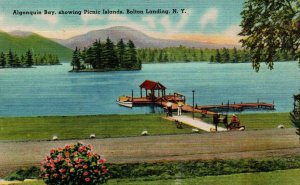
(140, 39)
(20, 42)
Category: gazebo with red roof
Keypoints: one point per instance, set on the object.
(152, 86)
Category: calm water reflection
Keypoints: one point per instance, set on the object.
(54, 91)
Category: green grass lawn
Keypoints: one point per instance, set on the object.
(284, 177)
(290, 177)
(104, 126)
(260, 120)
(79, 127)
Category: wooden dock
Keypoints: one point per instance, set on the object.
(239, 107)
(202, 109)
(155, 93)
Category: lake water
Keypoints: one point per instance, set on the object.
(52, 90)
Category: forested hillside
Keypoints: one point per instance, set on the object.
(37, 44)
(186, 54)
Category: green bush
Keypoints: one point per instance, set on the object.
(185, 169)
(24, 173)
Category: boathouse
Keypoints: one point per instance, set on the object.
(156, 89)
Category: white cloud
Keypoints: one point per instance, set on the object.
(51, 19)
(1, 18)
(210, 17)
(150, 21)
(233, 31)
(90, 17)
(166, 23)
(183, 20)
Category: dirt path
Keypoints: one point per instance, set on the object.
(223, 145)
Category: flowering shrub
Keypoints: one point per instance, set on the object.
(74, 164)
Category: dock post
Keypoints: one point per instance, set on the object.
(132, 95)
(228, 106)
(193, 104)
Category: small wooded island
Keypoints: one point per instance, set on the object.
(14, 60)
(106, 56)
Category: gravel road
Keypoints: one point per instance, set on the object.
(223, 145)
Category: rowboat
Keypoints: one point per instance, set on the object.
(125, 104)
(124, 101)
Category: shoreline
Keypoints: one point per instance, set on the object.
(126, 114)
(102, 70)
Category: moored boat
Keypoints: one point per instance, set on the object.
(125, 101)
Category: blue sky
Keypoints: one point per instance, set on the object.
(211, 19)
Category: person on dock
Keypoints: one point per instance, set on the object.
(180, 105)
(169, 108)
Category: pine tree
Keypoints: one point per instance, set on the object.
(185, 58)
(194, 56)
(2, 60)
(56, 59)
(165, 57)
(17, 60)
(10, 58)
(36, 59)
(235, 56)
(83, 56)
(23, 60)
(245, 56)
(212, 58)
(29, 59)
(76, 59)
(110, 56)
(130, 56)
(201, 56)
(90, 58)
(151, 56)
(225, 55)
(218, 56)
(160, 56)
(121, 52)
(73, 60)
(98, 54)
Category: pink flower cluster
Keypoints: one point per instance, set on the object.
(74, 164)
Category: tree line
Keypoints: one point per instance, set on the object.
(106, 56)
(13, 60)
(186, 54)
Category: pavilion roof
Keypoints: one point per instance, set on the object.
(151, 85)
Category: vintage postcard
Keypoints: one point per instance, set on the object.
(149, 92)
